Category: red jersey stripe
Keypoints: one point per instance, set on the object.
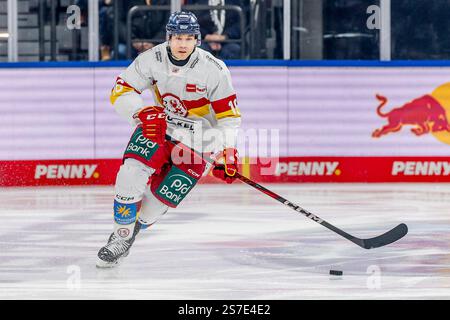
(191, 104)
(223, 105)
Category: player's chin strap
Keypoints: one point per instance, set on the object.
(386, 238)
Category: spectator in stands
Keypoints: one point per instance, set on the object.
(106, 29)
(218, 26)
(149, 25)
(145, 26)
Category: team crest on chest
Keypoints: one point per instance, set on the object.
(174, 104)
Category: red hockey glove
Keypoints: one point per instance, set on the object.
(154, 124)
(228, 169)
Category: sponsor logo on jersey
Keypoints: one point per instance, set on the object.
(194, 63)
(308, 168)
(421, 168)
(214, 62)
(55, 171)
(174, 104)
(191, 87)
(182, 123)
(195, 88)
(158, 56)
(201, 89)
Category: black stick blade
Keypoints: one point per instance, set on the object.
(391, 236)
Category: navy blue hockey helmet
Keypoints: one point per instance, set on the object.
(183, 22)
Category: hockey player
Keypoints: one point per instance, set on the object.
(192, 92)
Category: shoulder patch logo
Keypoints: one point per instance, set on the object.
(194, 63)
(158, 56)
(214, 62)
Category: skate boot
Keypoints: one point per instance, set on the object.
(114, 238)
(116, 249)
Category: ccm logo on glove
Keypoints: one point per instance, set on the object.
(154, 124)
(156, 116)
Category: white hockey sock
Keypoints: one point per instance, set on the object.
(130, 185)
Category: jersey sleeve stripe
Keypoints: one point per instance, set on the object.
(120, 87)
(223, 105)
(229, 113)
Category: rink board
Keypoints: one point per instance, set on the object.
(306, 116)
(287, 169)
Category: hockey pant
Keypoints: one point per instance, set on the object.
(151, 179)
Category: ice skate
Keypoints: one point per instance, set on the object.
(116, 249)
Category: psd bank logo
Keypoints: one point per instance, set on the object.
(427, 114)
(175, 186)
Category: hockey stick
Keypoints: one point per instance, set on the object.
(382, 240)
(386, 238)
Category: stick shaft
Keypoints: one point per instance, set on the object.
(297, 208)
(382, 240)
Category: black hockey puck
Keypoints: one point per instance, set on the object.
(336, 272)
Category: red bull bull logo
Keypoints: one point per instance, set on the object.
(427, 114)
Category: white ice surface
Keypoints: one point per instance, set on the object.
(229, 242)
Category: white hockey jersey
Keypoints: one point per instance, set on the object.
(196, 97)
